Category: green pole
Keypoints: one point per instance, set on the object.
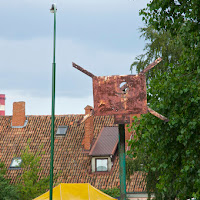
(53, 10)
(122, 162)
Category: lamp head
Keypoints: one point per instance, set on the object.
(53, 7)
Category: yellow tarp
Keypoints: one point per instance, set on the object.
(75, 191)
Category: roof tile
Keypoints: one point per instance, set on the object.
(75, 166)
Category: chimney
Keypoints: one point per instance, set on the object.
(128, 135)
(89, 128)
(2, 104)
(18, 118)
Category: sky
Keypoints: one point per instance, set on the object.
(102, 36)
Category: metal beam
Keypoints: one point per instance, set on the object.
(83, 70)
(151, 66)
(85, 117)
(153, 112)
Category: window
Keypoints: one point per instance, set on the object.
(101, 165)
(16, 163)
(62, 130)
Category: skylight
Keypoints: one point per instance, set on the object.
(62, 130)
(16, 163)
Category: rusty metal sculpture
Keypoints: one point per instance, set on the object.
(121, 95)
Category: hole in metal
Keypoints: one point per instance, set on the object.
(124, 87)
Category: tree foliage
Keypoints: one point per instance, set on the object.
(113, 192)
(159, 44)
(170, 152)
(7, 190)
(30, 186)
(181, 18)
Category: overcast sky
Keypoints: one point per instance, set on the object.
(100, 35)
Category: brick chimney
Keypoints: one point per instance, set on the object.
(128, 135)
(89, 128)
(18, 118)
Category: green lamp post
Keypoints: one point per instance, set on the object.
(53, 10)
(122, 161)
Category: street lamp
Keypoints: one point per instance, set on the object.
(53, 10)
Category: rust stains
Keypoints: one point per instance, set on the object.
(153, 112)
(85, 117)
(151, 66)
(120, 95)
(83, 70)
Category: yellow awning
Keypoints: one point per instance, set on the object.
(75, 191)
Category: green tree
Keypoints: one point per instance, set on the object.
(7, 190)
(30, 186)
(158, 44)
(113, 192)
(170, 151)
(181, 18)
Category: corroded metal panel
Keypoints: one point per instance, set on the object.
(120, 96)
(122, 119)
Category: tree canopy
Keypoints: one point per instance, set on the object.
(7, 190)
(170, 152)
(30, 186)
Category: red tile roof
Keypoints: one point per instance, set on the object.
(69, 158)
(106, 142)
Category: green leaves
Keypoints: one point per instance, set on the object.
(7, 190)
(114, 192)
(30, 186)
(170, 151)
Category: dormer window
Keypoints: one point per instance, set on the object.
(62, 130)
(16, 163)
(104, 149)
(101, 164)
